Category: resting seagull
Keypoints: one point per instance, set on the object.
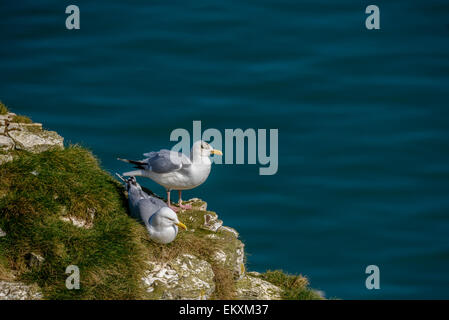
(174, 170)
(161, 222)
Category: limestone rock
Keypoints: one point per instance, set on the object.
(186, 277)
(220, 256)
(6, 143)
(79, 222)
(213, 236)
(211, 222)
(225, 229)
(2, 233)
(236, 261)
(33, 127)
(198, 204)
(239, 262)
(232, 258)
(7, 117)
(5, 158)
(18, 291)
(36, 141)
(254, 288)
(232, 253)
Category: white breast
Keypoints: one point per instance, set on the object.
(183, 179)
(165, 235)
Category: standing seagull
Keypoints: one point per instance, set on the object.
(161, 222)
(174, 170)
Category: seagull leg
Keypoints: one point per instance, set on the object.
(169, 202)
(168, 197)
(183, 206)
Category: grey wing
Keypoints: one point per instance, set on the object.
(165, 161)
(155, 201)
(148, 207)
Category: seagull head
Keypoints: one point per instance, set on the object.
(167, 218)
(132, 182)
(204, 149)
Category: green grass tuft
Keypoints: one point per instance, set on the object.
(293, 287)
(3, 109)
(21, 119)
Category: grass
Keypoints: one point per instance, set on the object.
(3, 109)
(224, 283)
(21, 119)
(294, 287)
(17, 118)
(110, 255)
(5, 272)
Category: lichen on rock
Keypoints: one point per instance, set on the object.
(86, 223)
(10, 290)
(186, 277)
(211, 222)
(6, 143)
(36, 141)
(18, 134)
(254, 288)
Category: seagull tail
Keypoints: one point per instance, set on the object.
(130, 182)
(134, 173)
(138, 164)
(121, 177)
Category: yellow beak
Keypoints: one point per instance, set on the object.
(215, 151)
(181, 225)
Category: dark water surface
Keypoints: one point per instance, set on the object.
(362, 116)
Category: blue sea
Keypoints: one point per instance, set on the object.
(362, 116)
